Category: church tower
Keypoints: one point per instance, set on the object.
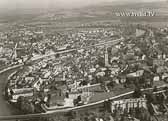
(106, 57)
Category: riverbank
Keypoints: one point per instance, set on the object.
(6, 108)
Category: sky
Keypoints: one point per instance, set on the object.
(16, 4)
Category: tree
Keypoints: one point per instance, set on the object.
(20, 101)
(137, 93)
(107, 106)
(150, 98)
(71, 115)
(144, 115)
(25, 105)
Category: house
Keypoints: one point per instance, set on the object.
(24, 92)
(136, 74)
(128, 103)
(90, 88)
(56, 98)
(158, 62)
(139, 32)
(141, 77)
(161, 69)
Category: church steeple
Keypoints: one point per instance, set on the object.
(106, 57)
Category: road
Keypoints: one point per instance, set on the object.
(54, 112)
(7, 112)
(5, 108)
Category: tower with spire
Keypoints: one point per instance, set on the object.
(106, 57)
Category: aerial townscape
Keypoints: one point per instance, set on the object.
(85, 64)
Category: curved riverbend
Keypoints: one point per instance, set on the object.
(6, 109)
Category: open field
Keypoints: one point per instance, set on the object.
(92, 14)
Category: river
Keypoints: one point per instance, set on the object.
(5, 108)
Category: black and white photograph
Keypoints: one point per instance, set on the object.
(83, 60)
